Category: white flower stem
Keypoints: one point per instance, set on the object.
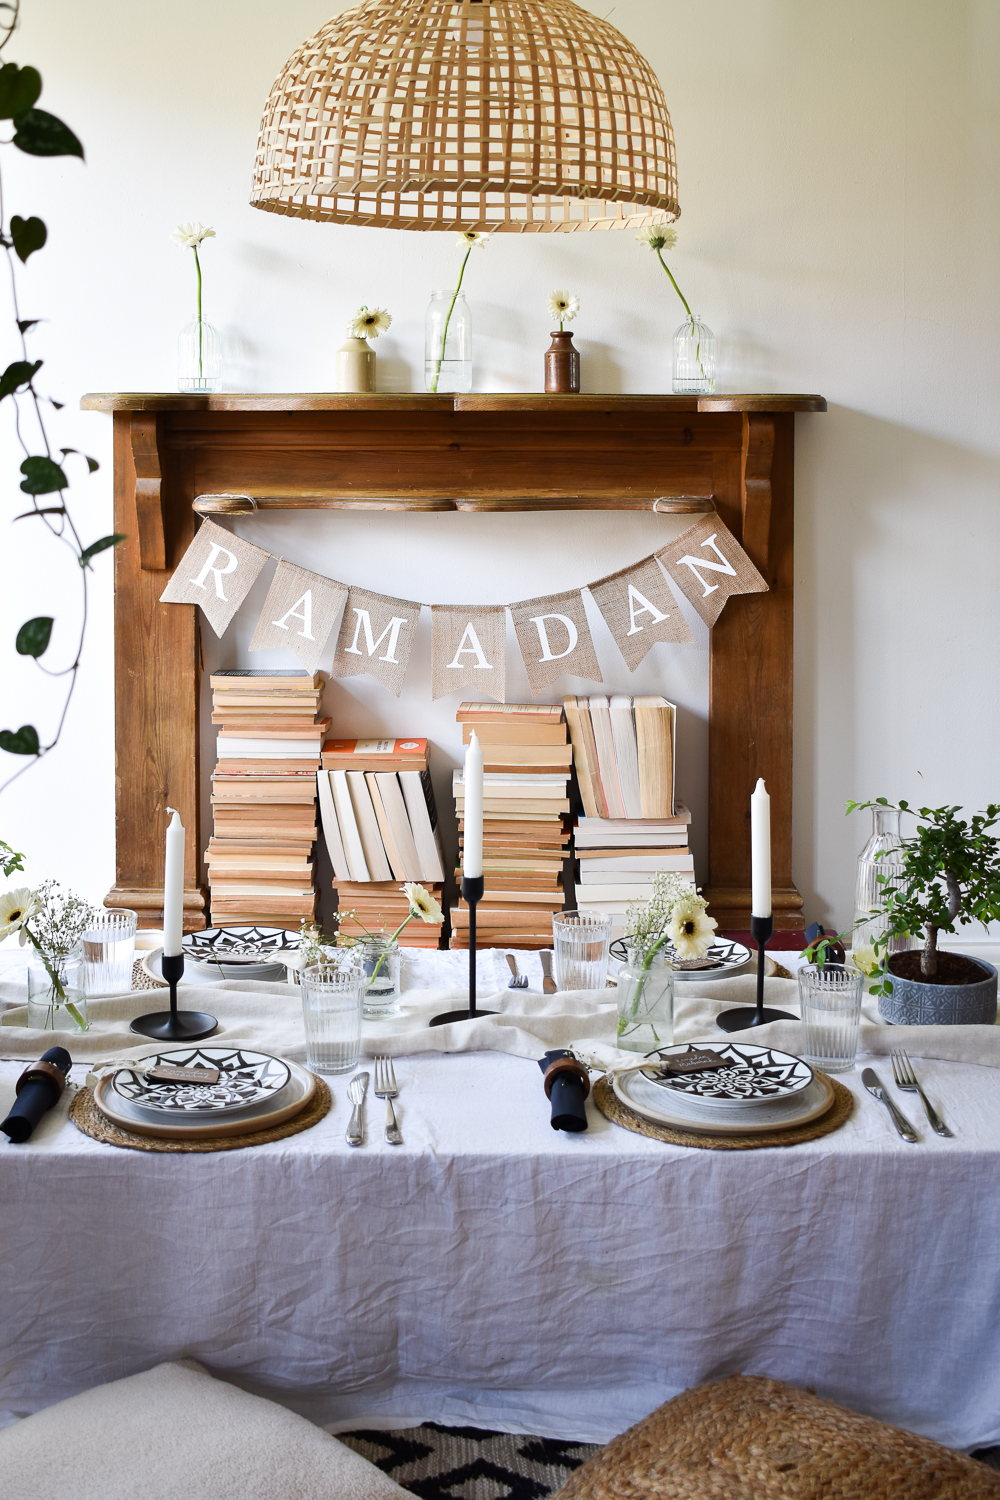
(444, 337)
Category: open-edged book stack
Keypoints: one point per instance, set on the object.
(380, 826)
(527, 764)
(260, 865)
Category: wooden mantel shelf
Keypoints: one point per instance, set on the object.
(503, 452)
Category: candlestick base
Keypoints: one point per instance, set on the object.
(743, 1017)
(174, 1025)
(473, 887)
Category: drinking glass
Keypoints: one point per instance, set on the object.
(581, 940)
(109, 952)
(331, 1005)
(830, 995)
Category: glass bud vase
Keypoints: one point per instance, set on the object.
(694, 358)
(57, 999)
(876, 858)
(380, 961)
(448, 344)
(645, 1002)
(199, 357)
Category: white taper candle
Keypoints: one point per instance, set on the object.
(472, 838)
(760, 851)
(173, 887)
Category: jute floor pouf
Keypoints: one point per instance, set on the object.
(749, 1438)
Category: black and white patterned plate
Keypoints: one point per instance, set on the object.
(723, 958)
(752, 1075)
(245, 1079)
(241, 945)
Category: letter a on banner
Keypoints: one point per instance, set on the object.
(639, 609)
(376, 635)
(300, 612)
(217, 571)
(468, 649)
(709, 566)
(554, 638)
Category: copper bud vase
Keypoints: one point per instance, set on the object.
(562, 366)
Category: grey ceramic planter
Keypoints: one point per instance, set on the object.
(916, 1003)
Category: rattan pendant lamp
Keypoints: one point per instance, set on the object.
(511, 115)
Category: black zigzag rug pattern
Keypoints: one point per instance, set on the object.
(465, 1463)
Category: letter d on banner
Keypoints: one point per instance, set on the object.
(217, 572)
(554, 638)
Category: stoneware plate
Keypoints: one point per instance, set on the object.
(752, 1075)
(685, 1113)
(245, 1079)
(212, 973)
(291, 1100)
(240, 945)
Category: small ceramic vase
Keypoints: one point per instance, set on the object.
(355, 366)
(562, 365)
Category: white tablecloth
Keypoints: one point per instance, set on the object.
(492, 1271)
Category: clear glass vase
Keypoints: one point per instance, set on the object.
(57, 1000)
(199, 357)
(645, 1002)
(876, 859)
(380, 961)
(694, 358)
(448, 344)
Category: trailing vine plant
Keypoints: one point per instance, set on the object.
(44, 481)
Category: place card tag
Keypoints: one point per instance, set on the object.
(166, 1074)
(693, 1062)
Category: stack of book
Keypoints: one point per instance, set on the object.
(619, 857)
(527, 767)
(260, 866)
(380, 825)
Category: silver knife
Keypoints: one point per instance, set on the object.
(549, 985)
(356, 1090)
(870, 1079)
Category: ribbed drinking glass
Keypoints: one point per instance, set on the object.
(830, 996)
(331, 1006)
(580, 941)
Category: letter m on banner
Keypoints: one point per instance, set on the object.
(376, 636)
(709, 566)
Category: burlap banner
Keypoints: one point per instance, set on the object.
(468, 649)
(709, 566)
(217, 572)
(299, 612)
(376, 635)
(639, 610)
(554, 638)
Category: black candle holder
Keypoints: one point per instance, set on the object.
(472, 893)
(174, 1025)
(744, 1016)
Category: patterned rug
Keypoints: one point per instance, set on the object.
(464, 1463)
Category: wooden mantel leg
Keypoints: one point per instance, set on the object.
(156, 677)
(750, 732)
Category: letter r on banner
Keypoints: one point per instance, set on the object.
(232, 563)
(214, 555)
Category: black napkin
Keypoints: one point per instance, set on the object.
(566, 1087)
(38, 1088)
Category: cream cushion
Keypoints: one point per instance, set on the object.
(175, 1433)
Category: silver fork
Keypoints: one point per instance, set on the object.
(906, 1079)
(385, 1088)
(517, 981)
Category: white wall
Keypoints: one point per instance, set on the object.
(838, 176)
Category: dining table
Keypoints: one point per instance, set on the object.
(493, 1272)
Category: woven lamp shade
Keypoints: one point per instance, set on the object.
(513, 115)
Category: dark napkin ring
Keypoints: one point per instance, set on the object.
(49, 1070)
(565, 1065)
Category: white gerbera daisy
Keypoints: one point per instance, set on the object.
(690, 931)
(369, 322)
(422, 903)
(16, 908)
(190, 236)
(466, 238)
(657, 237)
(563, 306)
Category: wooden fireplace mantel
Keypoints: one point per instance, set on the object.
(474, 452)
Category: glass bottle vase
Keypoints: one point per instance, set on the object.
(57, 999)
(645, 1002)
(199, 357)
(694, 358)
(876, 859)
(380, 961)
(448, 344)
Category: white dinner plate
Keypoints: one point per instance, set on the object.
(753, 1076)
(291, 1100)
(246, 1079)
(685, 1113)
(208, 973)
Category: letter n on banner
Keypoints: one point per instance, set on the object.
(468, 649)
(376, 635)
(639, 609)
(299, 612)
(217, 571)
(709, 566)
(554, 638)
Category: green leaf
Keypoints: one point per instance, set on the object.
(33, 636)
(28, 235)
(101, 546)
(17, 374)
(23, 741)
(92, 463)
(42, 476)
(23, 324)
(46, 510)
(40, 134)
(19, 89)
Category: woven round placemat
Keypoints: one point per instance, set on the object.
(87, 1117)
(610, 1105)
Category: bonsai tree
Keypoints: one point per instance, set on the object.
(950, 873)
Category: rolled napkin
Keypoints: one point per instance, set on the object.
(566, 1087)
(38, 1088)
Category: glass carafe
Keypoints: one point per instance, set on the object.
(879, 857)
